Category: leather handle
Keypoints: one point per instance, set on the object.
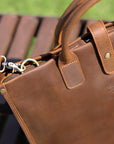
(81, 7)
(63, 19)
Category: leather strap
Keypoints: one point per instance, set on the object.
(74, 17)
(103, 45)
(63, 19)
(69, 63)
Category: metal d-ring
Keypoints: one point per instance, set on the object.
(29, 60)
(3, 64)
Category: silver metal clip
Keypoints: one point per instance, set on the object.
(16, 67)
(29, 60)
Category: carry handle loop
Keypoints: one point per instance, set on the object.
(64, 18)
(73, 18)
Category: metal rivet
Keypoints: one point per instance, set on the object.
(107, 55)
(2, 90)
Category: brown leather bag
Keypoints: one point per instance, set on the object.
(69, 98)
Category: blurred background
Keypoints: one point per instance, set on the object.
(103, 10)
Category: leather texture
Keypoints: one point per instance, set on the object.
(103, 45)
(67, 102)
(77, 6)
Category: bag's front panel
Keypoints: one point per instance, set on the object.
(56, 115)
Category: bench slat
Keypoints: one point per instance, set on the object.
(8, 25)
(45, 36)
(23, 37)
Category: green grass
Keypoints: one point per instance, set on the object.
(103, 10)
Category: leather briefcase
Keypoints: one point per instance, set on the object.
(69, 97)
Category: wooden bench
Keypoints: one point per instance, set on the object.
(22, 37)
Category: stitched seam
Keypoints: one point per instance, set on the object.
(107, 35)
(97, 44)
(21, 120)
(64, 78)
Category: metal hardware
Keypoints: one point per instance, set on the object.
(16, 67)
(107, 55)
(29, 60)
(3, 90)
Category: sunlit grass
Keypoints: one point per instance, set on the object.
(103, 10)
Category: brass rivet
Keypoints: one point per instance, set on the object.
(3, 90)
(107, 55)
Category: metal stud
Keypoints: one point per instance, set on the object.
(3, 90)
(107, 55)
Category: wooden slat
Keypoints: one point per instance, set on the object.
(8, 25)
(45, 36)
(0, 18)
(23, 37)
